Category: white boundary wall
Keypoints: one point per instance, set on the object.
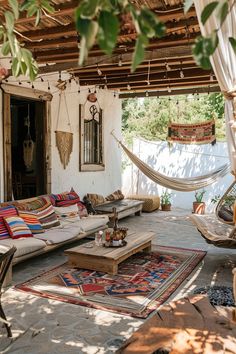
(178, 161)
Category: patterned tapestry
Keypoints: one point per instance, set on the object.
(199, 133)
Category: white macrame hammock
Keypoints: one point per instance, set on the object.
(178, 184)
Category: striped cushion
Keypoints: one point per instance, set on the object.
(16, 226)
(66, 199)
(32, 221)
(5, 212)
(46, 215)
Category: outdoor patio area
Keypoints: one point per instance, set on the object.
(56, 327)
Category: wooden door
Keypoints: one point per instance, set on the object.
(43, 131)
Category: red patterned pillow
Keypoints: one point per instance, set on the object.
(5, 212)
(66, 199)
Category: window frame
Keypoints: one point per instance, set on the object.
(89, 167)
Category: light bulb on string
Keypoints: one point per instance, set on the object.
(169, 89)
(20, 83)
(211, 77)
(48, 86)
(114, 95)
(32, 86)
(147, 94)
(128, 87)
(99, 71)
(168, 68)
(42, 80)
(89, 91)
(120, 61)
(181, 73)
(78, 90)
(105, 87)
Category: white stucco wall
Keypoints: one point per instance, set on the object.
(103, 182)
(179, 161)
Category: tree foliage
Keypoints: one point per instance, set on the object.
(99, 21)
(149, 117)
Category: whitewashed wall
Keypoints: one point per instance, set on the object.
(103, 182)
(179, 161)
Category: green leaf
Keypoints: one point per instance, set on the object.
(88, 9)
(139, 52)
(108, 31)
(88, 31)
(232, 41)
(47, 6)
(15, 7)
(187, 5)
(207, 11)
(6, 48)
(223, 11)
(32, 10)
(16, 67)
(38, 17)
(203, 48)
(9, 21)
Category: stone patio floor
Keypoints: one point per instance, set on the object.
(47, 326)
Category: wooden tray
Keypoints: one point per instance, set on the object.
(124, 243)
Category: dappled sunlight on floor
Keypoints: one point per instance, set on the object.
(48, 326)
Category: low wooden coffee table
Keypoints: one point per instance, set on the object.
(90, 256)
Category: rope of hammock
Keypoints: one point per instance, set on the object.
(178, 184)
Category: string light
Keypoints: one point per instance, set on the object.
(95, 91)
(211, 77)
(99, 71)
(20, 83)
(120, 61)
(114, 95)
(48, 86)
(128, 87)
(105, 87)
(181, 73)
(78, 90)
(42, 80)
(168, 68)
(147, 94)
(148, 74)
(89, 91)
(59, 75)
(169, 89)
(32, 86)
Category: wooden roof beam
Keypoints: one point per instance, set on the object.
(165, 53)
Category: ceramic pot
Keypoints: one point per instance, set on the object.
(199, 208)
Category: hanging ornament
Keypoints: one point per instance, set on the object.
(28, 144)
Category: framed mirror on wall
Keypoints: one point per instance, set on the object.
(91, 156)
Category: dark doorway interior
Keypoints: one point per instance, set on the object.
(27, 147)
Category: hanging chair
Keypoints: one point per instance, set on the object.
(219, 229)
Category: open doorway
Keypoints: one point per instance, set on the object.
(26, 142)
(27, 148)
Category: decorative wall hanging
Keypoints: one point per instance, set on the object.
(28, 144)
(199, 133)
(64, 140)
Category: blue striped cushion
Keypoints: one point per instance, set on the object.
(31, 221)
(5, 212)
(17, 228)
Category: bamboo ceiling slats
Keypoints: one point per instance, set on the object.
(54, 44)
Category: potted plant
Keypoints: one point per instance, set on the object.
(198, 204)
(166, 201)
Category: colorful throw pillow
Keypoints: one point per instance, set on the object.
(70, 212)
(5, 212)
(16, 227)
(31, 205)
(47, 215)
(117, 195)
(66, 199)
(32, 221)
(95, 199)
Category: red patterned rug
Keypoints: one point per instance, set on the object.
(144, 281)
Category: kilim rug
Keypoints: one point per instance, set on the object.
(144, 281)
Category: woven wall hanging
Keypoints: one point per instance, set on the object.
(199, 133)
(64, 140)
